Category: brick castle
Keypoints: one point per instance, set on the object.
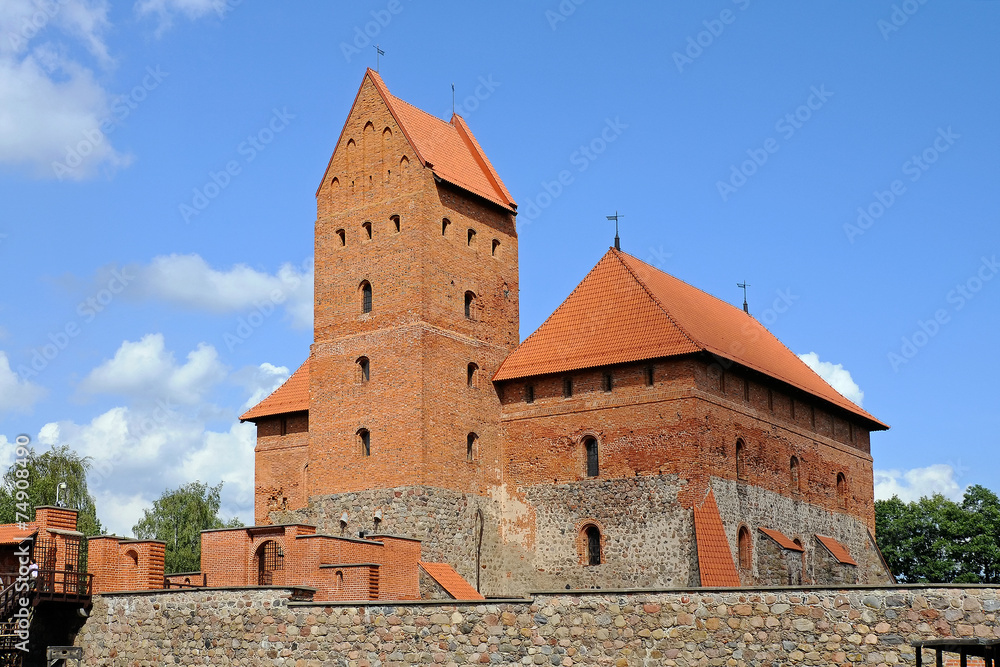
(646, 435)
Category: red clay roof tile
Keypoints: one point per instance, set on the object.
(11, 534)
(836, 549)
(451, 581)
(780, 538)
(448, 149)
(625, 310)
(292, 396)
(715, 560)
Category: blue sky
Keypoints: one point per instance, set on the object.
(159, 160)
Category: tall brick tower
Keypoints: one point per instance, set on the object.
(416, 306)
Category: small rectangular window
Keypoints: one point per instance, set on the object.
(529, 393)
(649, 376)
(567, 387)
(746, 390)
(606, 382)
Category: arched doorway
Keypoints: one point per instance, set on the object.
(270, 558)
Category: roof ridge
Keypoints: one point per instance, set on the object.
(465, 132)
(645, 288)
(553, 313)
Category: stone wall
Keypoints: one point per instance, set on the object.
(856, 625)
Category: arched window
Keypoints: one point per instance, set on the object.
(592, 537)
(842, 489)
(793, 472)
(363, 369)
(470, 447)
(366, 297)
(593, 460)
(496, 247)
(444, 226)
(470, 305)
(342, 236)
(340, 580)
(745, 548)
(471, 237)
(367, 226)
(132, 558)
(741, 468)
(365, 440)
(270, 559)
(471, 374)
(394, 219)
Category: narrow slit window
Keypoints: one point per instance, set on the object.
(342, 235)
(745, 549)
(793, 473)
(365, 440)
(470, 447)
(740, 463)
(496, 247)
(367, 226)
(592, 535)
(366, 297)
(529, 393)
(471, 237)
(364, 369)
(471, 374)
(842, 489)
(593, 460)
(648, 374)
(394, 219)
(606, 382)
(470, 305)
(444, 226)
(567, 387)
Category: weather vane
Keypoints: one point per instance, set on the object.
(378, 52)
(744, 285)
(618, 245)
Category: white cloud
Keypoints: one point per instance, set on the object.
(189, 281)
(916, 483)
(165, 10)
(52, 103)
(836, 376)
(146, 369)
(260, 382)
(16, 395)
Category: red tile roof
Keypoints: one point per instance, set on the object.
(11, 534)
(625, 310)
(447, 149)
(292, 396)
(780, 538)
(451, 581)
(715, 560)
(836, 549)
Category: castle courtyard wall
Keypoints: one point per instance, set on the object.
(855, 625)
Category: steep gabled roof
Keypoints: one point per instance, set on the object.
(451, 581)
(625, 310)
(292, 396)
(836, 549)
(448, 149)
(715, 560)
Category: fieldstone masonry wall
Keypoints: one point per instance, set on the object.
(780, 626)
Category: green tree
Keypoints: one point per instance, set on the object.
(178, 518)
(45, 472)
(936, 540)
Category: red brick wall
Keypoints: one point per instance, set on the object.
(280, 464)
(125, 565)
